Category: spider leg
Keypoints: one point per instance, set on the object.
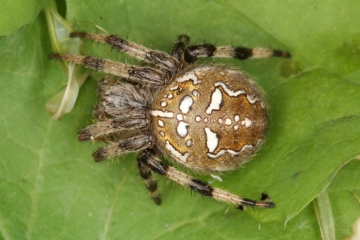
(179, 48)
(208, 50)
(138, 51)
(126, 122)
(149, 180)
(131, 144)
(136, 74)
(148, 158)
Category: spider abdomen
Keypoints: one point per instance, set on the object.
(209, 118)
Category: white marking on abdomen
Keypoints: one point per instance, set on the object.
(161, 123)
(216, 98)
(185, 104)
(182, 129)
(212, 140)
(195, 93)
(163, 103)
(228, 121)
(245, 147)
(248, 122)
(158, 113)
(229, 91)
(173, 88)
(219, 154)
(202, 71)
(179, 117)
(198, 118)
(162, 133)
(232, 152)
(176, 153)
(251, 99)
(237, 118)
(188, 77)
(189, 143)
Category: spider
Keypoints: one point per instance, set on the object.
(206, 118)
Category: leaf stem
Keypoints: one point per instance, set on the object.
(324, 216)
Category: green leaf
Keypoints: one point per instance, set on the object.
(53, 189)
(346, 210)
(17, 13)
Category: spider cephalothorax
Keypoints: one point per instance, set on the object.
(207, 118)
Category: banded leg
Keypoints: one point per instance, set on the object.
(149, 159)
(150, 182)
(140, 52)
(180, 47)
(117, 125)
(208, 50)
(136, 74)
(131, 144)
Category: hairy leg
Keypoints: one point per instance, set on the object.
(142, 75)
(138, 51)
(192, 53)
(148, 158)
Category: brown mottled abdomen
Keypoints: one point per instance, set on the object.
(209, 118)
